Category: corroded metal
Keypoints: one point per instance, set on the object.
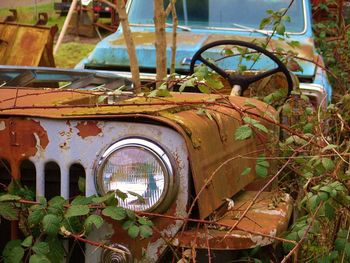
(208, 145)
(26, 45)
(268, 217)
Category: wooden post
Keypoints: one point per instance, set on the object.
(65, 25)
(159, 23)
(134, 65)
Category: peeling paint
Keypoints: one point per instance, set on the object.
(87, 129)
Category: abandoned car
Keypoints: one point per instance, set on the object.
(181, 153)
(203, 22)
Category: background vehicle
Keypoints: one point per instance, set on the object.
(204, 22)
(99, 8)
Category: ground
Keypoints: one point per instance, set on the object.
(16, 3)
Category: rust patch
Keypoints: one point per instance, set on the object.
(148, 38)
(88, 128)
(21, 139)
(267, 218)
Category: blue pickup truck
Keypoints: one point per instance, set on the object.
(204, 22)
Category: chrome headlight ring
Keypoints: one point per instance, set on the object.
(138, 165)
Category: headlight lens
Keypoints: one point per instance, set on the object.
(137, 167)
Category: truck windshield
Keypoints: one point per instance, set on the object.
(228, 14)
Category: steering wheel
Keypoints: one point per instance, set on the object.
(242, 81)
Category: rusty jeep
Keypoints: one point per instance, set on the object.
(61, 125)
(199, 184)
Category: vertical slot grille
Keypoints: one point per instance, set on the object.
(76, 172)
(28, 178)
(52, 180)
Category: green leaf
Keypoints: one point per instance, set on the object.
(204, 88)
(27, 242)
(139, 197)
(8, 212)
(243, 132)
(116, 213)
(214, 83)
(56, 254)
(51, 224)
(42, 201)
(261, 171)
(130, 214)
(264, 22)
(347, 249)
(13, 252)
(308, 128)
(128, 224)
(145, 221)
(38, 259)
(262, 161)
(95, 220)
(133, 231)
(339, 244)
(249, 120)
(246, 171)
(329, 211)
(77, 210)
(323, 196)
(201, 72)
(280, 29)
(35, 217)
(102, 199)
(328, 164)
(145, 231)
(41, 248)
(121, 194)
(261, 127)
(9, 197)
(187, 83)
(57, 200)
(314, 201)
(82, 200)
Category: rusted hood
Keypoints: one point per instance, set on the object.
(217, 160)
(111, 52)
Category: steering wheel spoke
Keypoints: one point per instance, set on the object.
(218, 70)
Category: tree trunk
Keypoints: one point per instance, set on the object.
(134, 65)
(173, 47)
(160, 43)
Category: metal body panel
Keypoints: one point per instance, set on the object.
(25, 45)
(76, 141)
(269, 217)
(210, 142)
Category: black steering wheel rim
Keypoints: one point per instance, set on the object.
(241, 80)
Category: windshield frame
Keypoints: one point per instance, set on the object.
(306, 24)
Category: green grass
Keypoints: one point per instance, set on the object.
(69, 54)
(27, 14)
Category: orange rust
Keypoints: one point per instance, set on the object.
(20, 139)
(26, 45)
(265, 217)
(88, 128)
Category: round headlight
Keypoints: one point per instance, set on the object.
(139, 168)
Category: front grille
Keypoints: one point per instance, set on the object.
(53, 186)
